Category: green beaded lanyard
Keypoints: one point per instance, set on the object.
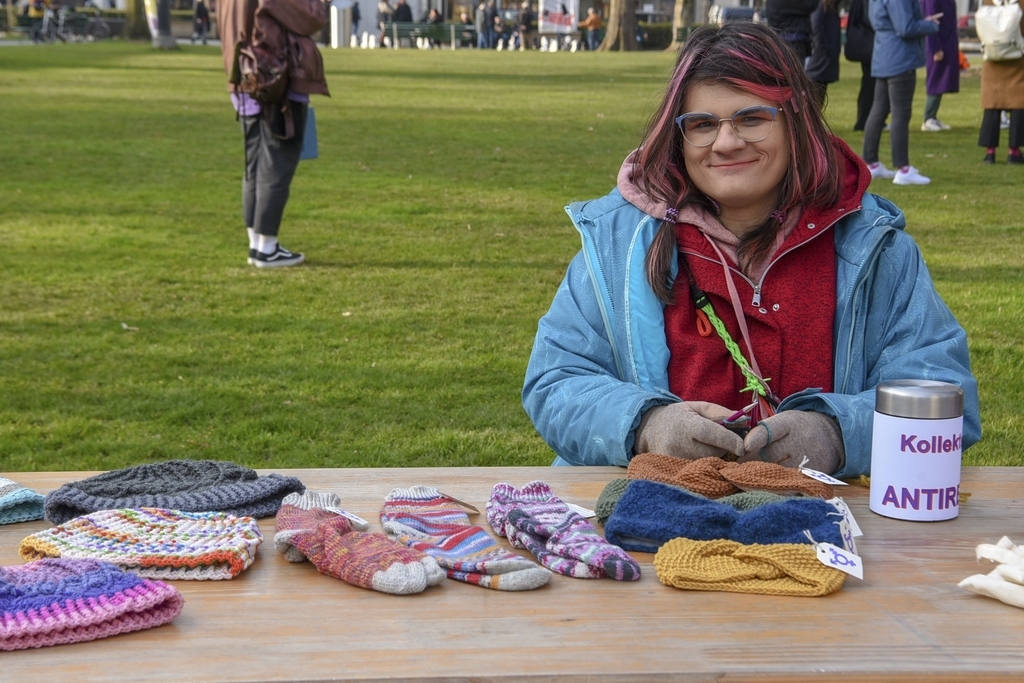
(765, 399)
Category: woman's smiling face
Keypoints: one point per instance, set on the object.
(744, 178)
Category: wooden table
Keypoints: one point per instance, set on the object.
(277, 621)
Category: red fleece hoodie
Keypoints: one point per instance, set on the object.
(789, 303)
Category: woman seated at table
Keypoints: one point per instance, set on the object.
(739, 294)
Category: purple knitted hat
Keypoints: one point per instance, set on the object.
(55, 601)
(186, 485)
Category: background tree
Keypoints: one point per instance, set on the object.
(681, 17)
(136, 26)
(621, 31)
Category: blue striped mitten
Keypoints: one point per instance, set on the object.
(426, 520)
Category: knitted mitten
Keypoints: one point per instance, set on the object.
(426, 520)
(535, 519)
(298, 513)
(780, 569)
(367, 560)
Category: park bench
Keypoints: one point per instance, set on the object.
(451, 33)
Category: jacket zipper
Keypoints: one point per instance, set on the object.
(756, 286)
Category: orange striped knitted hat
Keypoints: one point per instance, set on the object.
(154, 543)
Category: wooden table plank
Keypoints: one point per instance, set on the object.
(280, 621)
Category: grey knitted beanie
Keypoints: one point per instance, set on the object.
(185, 485)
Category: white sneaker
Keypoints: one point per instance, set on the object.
(944, 125)
(910, 176)
(932, 126)
(878, 170)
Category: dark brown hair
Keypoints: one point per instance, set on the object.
(750, 57)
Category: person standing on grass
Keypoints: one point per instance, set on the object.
(900, 28)
(490, 20)
(791, 19)
(593, 23)
(403, 13)
(480, 24)
(200, 22)
(942, 62)
(860, 43)
(1002, 88)
(272, 134)
(739, 277)
(384, 13)
(826, 45)
(526, 23)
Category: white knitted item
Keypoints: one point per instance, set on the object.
(1004, 583)
(155, 543)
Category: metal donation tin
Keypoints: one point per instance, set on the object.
(916, 445)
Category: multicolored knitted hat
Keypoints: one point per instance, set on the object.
(54, 601)
(187, 485)
(162, 544)
(18, 504)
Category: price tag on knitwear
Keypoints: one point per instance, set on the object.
(847, 535)
(840, 559)
(581, 511)
(837, 558)
(844, 509)
(822, 477)
(471, 508)
(358, 523)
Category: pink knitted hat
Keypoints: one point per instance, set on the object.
(54, 601)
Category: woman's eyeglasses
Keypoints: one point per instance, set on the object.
(752, 124)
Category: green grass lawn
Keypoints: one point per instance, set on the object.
(132, 329)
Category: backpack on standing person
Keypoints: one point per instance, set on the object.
(860, 37)
(998, 27)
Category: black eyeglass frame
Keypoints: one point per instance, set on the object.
(760, 107)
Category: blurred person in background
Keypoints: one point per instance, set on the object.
(1002, 88)
(822, 65)
(860, 42)
(791, 19)
(900, 28)
(942, 62)
(593, 23)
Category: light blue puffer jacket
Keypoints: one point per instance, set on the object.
(600, 357)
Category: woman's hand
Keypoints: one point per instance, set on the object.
(788, 437)
(688, 430)
(938, 56)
